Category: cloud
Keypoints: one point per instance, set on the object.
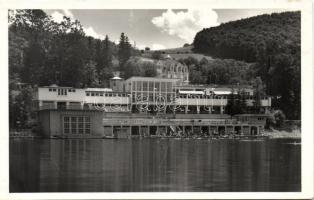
(91, 32)
(57, 16)
(185, 24)
(68, 13)
(158, 47)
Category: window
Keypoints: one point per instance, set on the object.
(54, 89)
(151, 86)
(50, 90)
(145, 86)
(139, 85)
(157, 86)
(62, 92)
(92, 94)
(76, 125)
(87, 94)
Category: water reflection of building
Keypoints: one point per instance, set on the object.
(153, 105)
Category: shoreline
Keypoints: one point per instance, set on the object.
(274, 134)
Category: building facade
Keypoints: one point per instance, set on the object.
(146, 106)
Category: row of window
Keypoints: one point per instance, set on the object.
(151, 86)
(76, 125)
(97, 94)
(215, 97)
(249, 118)
(54, 90)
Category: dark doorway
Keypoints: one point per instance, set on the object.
(205, 130)
(253, 130)
(221, 130)
(135, 130)
(61, 105)
(153, 130)
(237, 130)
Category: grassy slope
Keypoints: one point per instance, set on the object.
(179, 53)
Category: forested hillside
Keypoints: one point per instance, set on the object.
(270, 41)
(43, 52)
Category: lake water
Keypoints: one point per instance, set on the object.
(155, 165)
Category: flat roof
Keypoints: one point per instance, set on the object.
(55, 86)
(140, 78)
(191, 92)
(98, 89)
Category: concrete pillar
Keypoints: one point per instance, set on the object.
(55, 105)
(82, 105)
(130, 131)
(148, 130)
(221, 109)
(40, 104)
(157, 130)
(140, 131)
(67, 105)
(257, 129)
(209, 110)
(183, 130)
(186, 109)
(112, 131)
(198, 109)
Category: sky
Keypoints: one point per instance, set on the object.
(156, 29)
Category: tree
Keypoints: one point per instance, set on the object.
(124, 52)
(20, 108)
(107, 53)
(231, 104)
(91, 76)
(156, 55)
(258, 93)
(275, 119)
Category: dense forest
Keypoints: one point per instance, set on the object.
(272, 42)
(43, 52)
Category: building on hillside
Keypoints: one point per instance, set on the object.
(141, 106)
(170, 68)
